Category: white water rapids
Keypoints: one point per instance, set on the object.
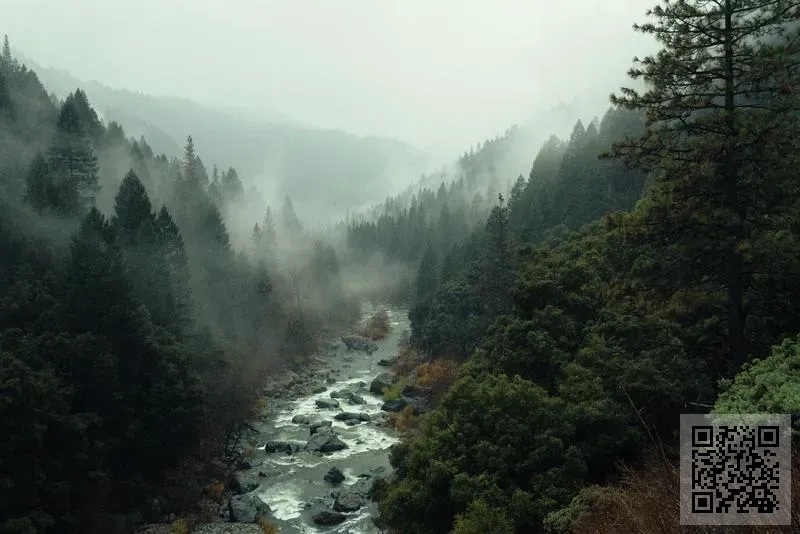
(296, 488)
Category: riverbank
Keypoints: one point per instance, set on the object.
(308, 461)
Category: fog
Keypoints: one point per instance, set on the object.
(441, 75)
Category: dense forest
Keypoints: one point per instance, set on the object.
(560, 322)
(646, 268)
(133, 334)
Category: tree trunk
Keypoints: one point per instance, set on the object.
(734, 260)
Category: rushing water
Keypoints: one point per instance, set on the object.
(297, 487)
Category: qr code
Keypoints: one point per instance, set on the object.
(735, 469)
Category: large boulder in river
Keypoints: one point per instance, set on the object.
(359, 343)
(301, 419)
(355, 399)
(348, 501)
(334, 475)
(325, 441)
(328, 518)
(327, 404)
(352, 498)
(381, 382)
(247, 508)
(352, 416)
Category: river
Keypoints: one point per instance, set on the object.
(293, 485)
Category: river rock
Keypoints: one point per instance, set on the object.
(355, 399)
(381, 382)
(244, 482)
(387, 362)
(325, 441)
(328, 518)
(301, 419)
(319, 389)
(348, 501)
(287, 447)
(334, 475)
(396, 405)
(351, 498)
(314, 427)
(352, 416)
(359, 343)
(340, 393)
(247, 508)
(326, 404)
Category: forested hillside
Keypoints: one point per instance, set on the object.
(604, 296)
(345, 173)
(133, 335)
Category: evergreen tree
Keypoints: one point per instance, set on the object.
(427, 275)
(174, 252)
(72, 163)
(40, 189)
(714, 98)
(290, 223)
(135, 226)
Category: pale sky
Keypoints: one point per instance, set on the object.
(436, 73)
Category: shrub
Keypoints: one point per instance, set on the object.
(408, 360)
(436, 377)
(215, 490)
(405, 422)
(179, 527)
(267, 526)
(394, 391)
(647, 501)
(377, 326)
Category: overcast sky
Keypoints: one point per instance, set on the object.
(437, 73)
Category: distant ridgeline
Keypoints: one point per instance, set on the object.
(272, 153)
(133, 334)
(568, 186)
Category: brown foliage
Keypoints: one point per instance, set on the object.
(267, 527)
(405, 422)
(215, 490)
(436, 377)
(647, 501)
(377, 326)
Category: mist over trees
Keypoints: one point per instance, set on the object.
(593, 302)
(561, 321)
(133, 335)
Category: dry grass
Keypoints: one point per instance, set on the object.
(647, 501)
(377, 326)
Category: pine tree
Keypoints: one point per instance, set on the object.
(427, 275)
(495, 276)
(174, 252)
(289, 221)
(715, 96)
(232, 188)
(72, 163)
(7, 61)
(40, 191)
(135, 226)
